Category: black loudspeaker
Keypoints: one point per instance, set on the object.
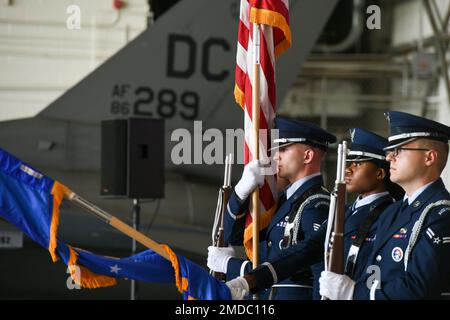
(132, 160)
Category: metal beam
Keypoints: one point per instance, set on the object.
(446, 19)
(436, 10)
(412, 46)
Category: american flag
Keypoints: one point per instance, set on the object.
(273, 16)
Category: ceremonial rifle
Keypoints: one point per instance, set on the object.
(222, 201)
(334, 241)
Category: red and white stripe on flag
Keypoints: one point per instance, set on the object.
(273, 17)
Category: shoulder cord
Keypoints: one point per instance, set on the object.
(298, 215)
(418, 226)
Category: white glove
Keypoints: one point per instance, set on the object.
(239, 288)
(218, 258)
(336, 286)
(251, 178)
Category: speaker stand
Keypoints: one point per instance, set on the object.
(136, 212)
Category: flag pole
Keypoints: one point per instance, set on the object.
(116, 223)
(255, 129)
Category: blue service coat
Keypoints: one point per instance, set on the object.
(427, 273)
(314, 214)
(311, 251)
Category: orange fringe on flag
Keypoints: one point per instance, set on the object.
(181, 283)
(248, 233)
(239, 96)
(81, 275)
(58, 192)
(274, 19)
(85, 277)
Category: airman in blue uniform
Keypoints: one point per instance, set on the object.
(367, 174)
(410, 258)
(302, 207)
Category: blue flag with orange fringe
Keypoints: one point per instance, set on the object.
(31, 201)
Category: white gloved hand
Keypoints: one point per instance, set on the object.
(218, 258)
(239, 288)
(251, 178)
(336, 286)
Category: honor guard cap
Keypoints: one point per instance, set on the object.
(366, 145)
(292, 131)
(405, 127)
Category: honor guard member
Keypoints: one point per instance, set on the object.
(367, 175)
(302, 207)
(410, 257)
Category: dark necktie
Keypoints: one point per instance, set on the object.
(282, 199)
(405, 205)
(354, 206)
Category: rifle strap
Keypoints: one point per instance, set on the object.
(361, 235)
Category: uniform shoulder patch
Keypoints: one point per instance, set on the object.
(440, 211)
(322, 203)
(436, 238)
(443, 210)
(315, 201)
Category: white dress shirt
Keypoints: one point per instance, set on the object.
(366, 200)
